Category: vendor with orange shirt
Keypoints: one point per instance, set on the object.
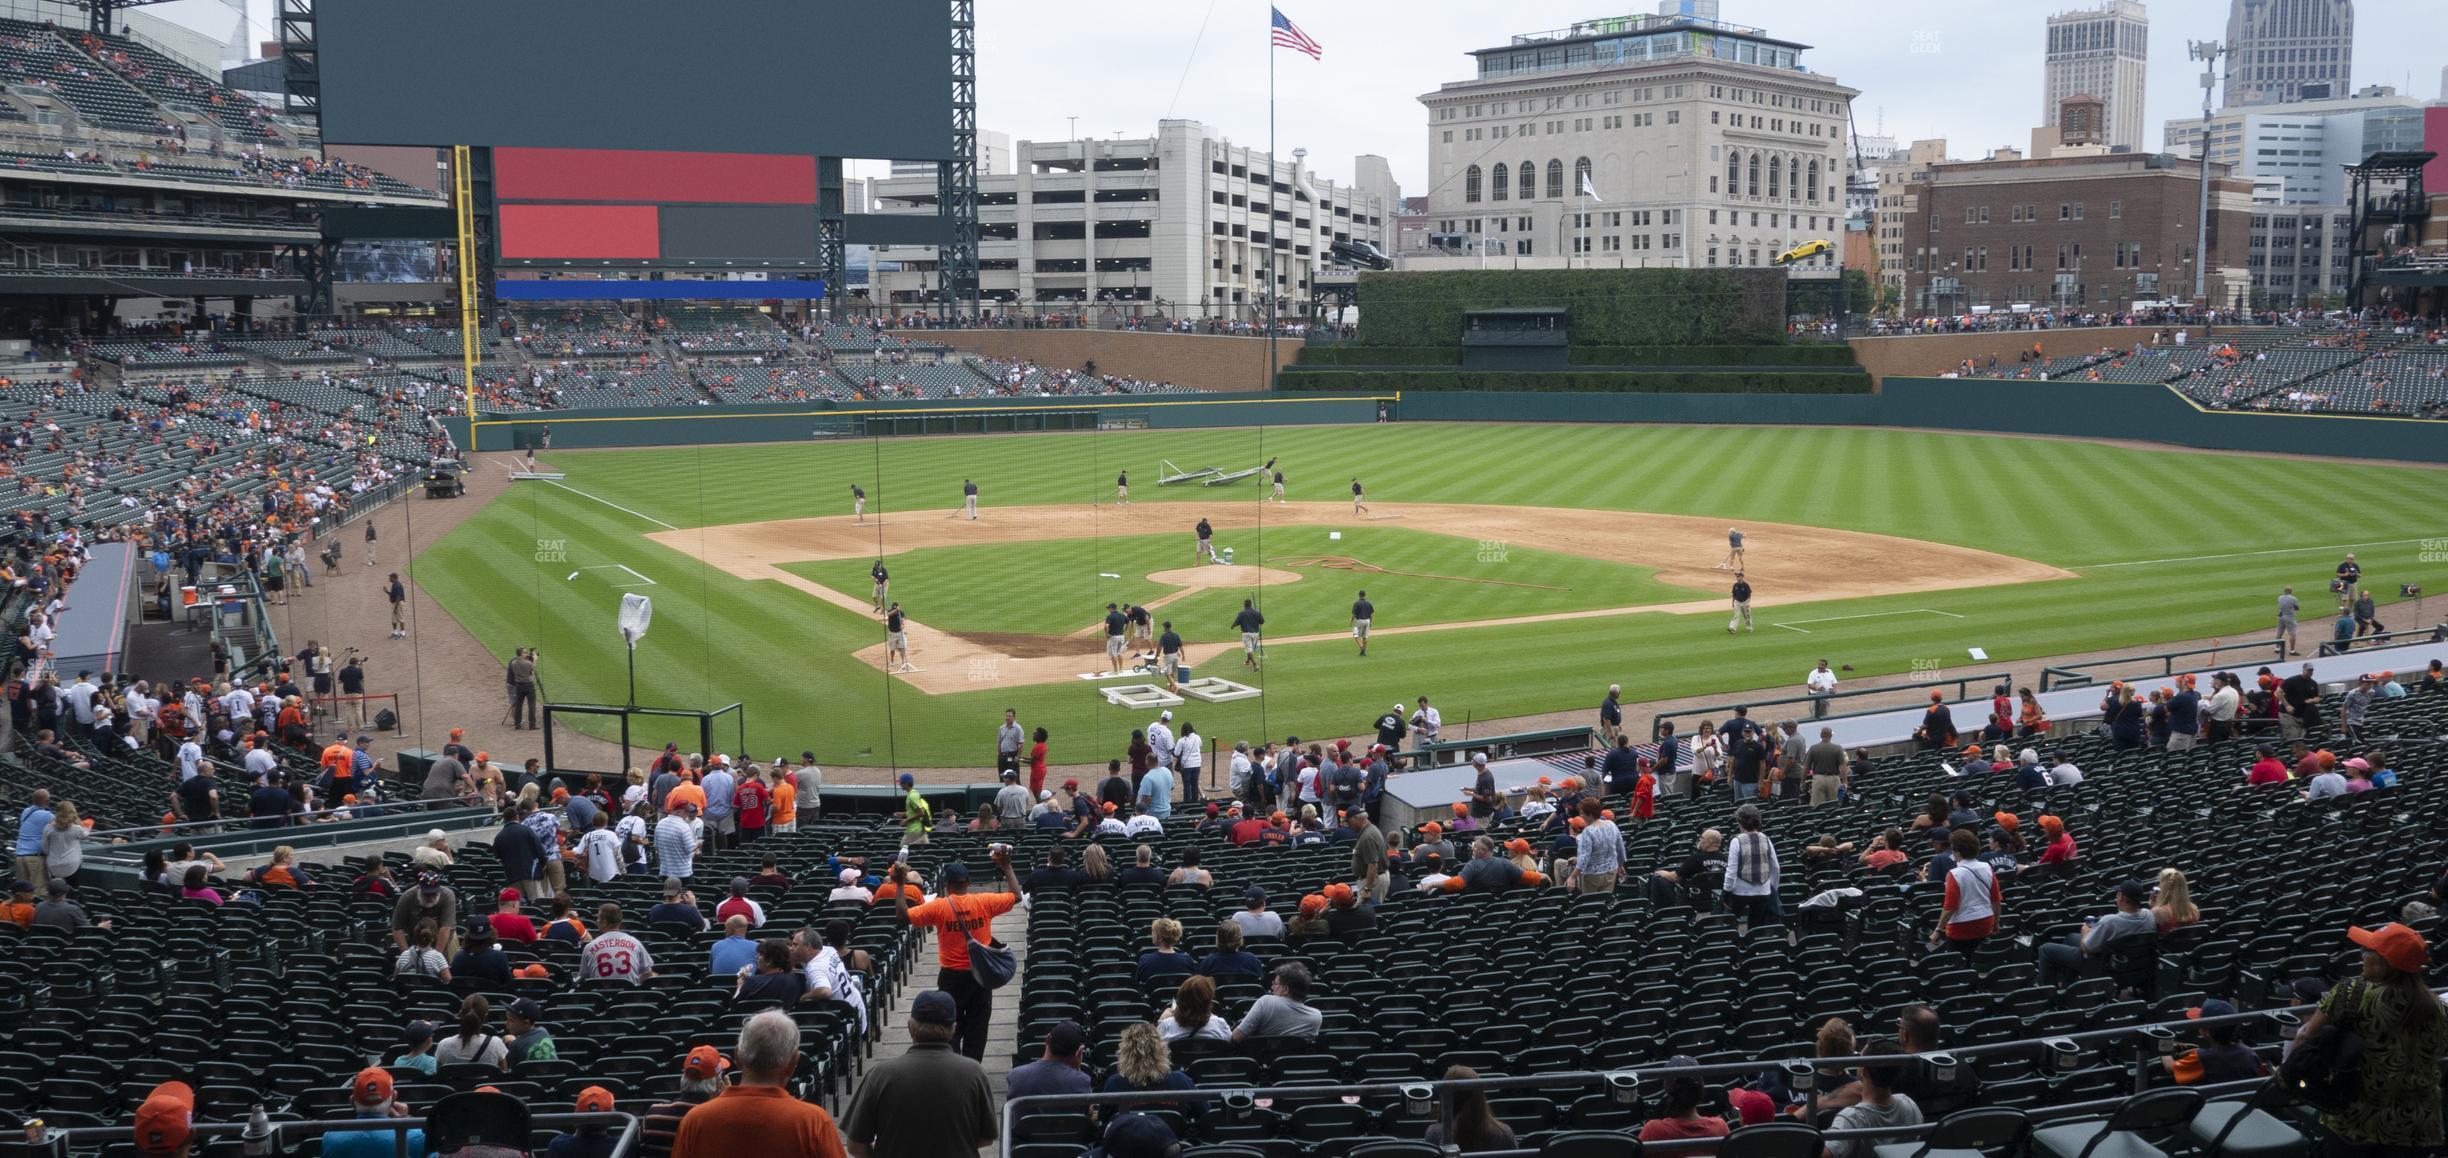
(959, 915)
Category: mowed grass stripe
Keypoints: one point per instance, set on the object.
(717, 638)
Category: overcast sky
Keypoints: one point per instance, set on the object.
(1965, 70)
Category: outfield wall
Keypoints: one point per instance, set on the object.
(612, 428)
(2110, 410)
(1205, 361)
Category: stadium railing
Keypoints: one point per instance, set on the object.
(2090, 671)
(1819, 703)
(2137, 1048)
(236, 836)
(1499, 747)
(2434, 634)
(287, 1135)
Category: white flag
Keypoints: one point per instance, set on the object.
(1588, 190)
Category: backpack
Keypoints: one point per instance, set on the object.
(385, 720)
(2326, 1069)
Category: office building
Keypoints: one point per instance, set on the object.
(2100, 52)
(2276, 47)
(2096, 231)
(1181, 223)
(2296, 154)
(994, 158)
(1896, 196)
(2300, 252)
(1705, 143)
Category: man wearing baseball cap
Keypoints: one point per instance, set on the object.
(760, 1115)
(957, 916)
(700, 1079)
(587, 1141)
(2405, 1033)
(165, 1122)
(370, 1096)
(928, 1101)
(428, 901)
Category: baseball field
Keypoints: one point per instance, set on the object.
(1514, 569)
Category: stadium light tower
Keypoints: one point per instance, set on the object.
(2207, 52)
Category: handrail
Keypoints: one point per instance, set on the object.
(2080, 674)
(1961, 684)
(2158, 1036)
(59, 1143)
(2434, 634)
(188, 830)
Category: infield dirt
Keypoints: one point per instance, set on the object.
(1786, 564)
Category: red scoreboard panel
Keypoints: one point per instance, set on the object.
(555, 205)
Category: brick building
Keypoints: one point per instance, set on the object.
(2093, 230)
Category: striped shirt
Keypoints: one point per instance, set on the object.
(675, 847)
(660, 1126)
(1752, 869)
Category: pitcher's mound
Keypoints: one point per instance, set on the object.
(1213, 575)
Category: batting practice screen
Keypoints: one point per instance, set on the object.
(828, 78)
(558, 205)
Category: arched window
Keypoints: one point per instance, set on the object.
(1751, 187)
(1581, 175)
(1793, 177)
(1733, 173)
(1555, 180)
(1774, 171)
(1813, 187)
(1504, 183)
(1470, 184)
(1529, 180)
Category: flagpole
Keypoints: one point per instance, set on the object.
(1270, 205)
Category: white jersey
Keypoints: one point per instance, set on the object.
(600, 848)
(616, 956)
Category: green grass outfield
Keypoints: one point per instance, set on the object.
(2170, 545)
(944, 581)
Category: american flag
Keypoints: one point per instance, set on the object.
(1289, 35)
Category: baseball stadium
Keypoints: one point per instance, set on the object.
(1466, 702)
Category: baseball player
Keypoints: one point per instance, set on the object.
(1122, 489)
(969, 498)
(1358, 507)
(1362, 612)
(1248, 623)
(1734, 550)
(2288, 608)
(896, 640)
(1117, 627)
(1169, 654)
(858, 502)
(1206, 543)
(1270, 466)
(883, 583)
(1742, 605)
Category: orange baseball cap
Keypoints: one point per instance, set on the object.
(534, 970)
(704, 1063)
(165, 1122)
(2007, 820)
(487, 1090)
(1339, 894)
(1517, 845)
(1461, 809)
(2051, 825)
(1578, 823)
(594, 1100)
(1432, 829)
(2399, 945)
(372, 1085)
(1313, 905)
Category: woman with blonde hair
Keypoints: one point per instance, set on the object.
(1095, 867)
(636, 791)
(1193, 1013)
(64, 843)
(282, 871)
(1144, 1063)
(2173, 907)
(1166, 959)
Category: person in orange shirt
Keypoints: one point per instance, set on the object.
(785, 808)
(960, 915)
(760, 1115)
(19, 909)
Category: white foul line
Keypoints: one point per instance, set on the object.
(609, 503)
(2250, 554)
(642, 581)
(1869, 615)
